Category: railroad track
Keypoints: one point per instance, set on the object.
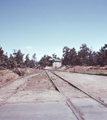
(9, 82)
(9, 89)
(68, 103)
(81, 90)
(52, 71)
(78, 116)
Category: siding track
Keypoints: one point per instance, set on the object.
(7, 83)
(63, 88)
(8, 90)
(80, 89)
(68, 103)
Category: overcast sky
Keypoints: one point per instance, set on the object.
(46, 26)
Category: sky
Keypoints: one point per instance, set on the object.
(46, 26)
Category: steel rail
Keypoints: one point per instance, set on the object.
(80, 90)
(64, 97)
(16, 91)
(14, 80)
(9, 82)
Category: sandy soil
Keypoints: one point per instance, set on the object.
(67, 90)
(29, 71)
(92, 84)
(8, 90)
(38, 89)
(86, 107)
(85, 69)
(7, 75)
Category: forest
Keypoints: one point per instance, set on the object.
(16, 60)
(85, 56)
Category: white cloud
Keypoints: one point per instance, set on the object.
(27, 47)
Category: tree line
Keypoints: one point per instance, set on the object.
(84, 56)
(16, 60)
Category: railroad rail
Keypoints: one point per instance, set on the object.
(57, 88)
(17, 89)
(7, 83)
(80, 90)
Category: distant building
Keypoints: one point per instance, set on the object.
(55, 62)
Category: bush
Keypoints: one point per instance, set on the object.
(22, 73)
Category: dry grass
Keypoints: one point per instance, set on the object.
(41, 82)
(28, 71)
(7, 75)
(86, 70)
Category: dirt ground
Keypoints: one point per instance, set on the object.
(97, 70)
(28, 71)
(38, 89)
(8, 75)
(86, 107)
(92, 84)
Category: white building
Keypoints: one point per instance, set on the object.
(56, 62)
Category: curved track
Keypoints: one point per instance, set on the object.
(80, 90)
(8, 90)
(73, 86)
(7, 83)
(68, 103)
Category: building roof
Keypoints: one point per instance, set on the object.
(55, 60)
